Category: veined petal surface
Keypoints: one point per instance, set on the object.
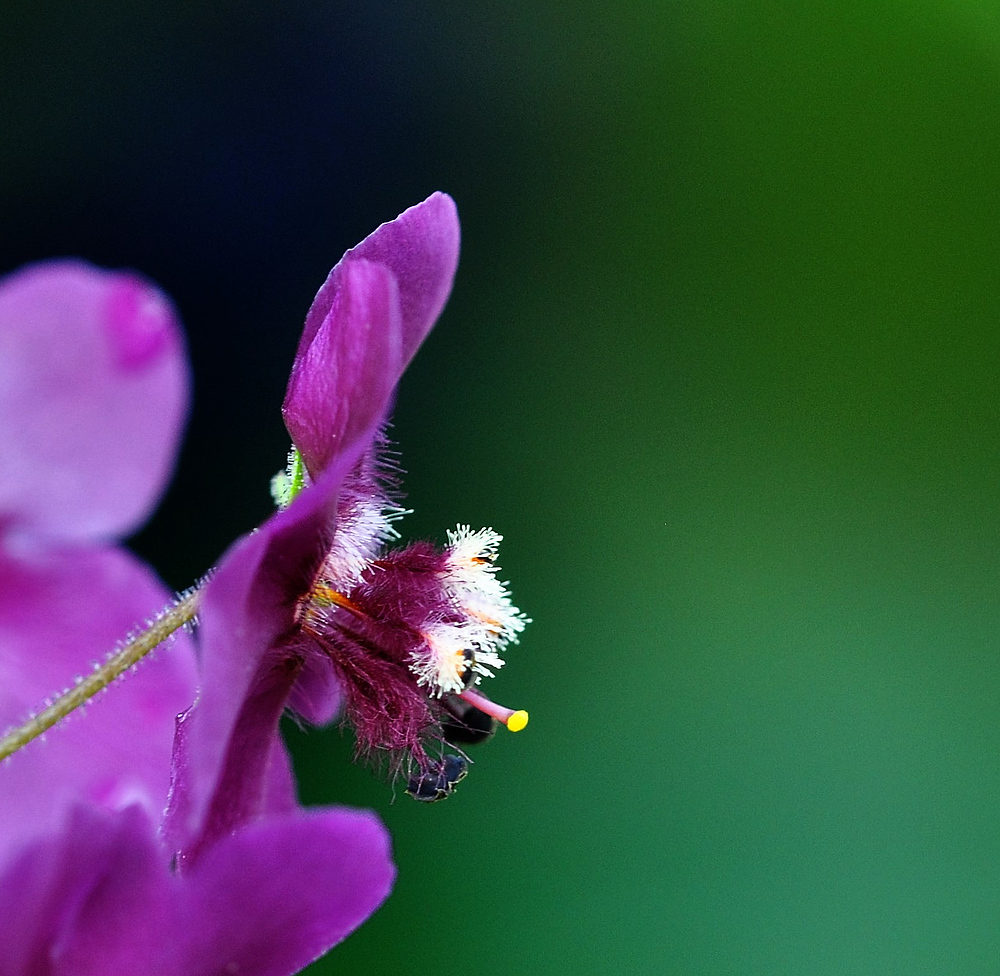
(345, 375)
(340, 348)
(420, 247)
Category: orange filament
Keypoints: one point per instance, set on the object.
(492, 625)
(326, 596)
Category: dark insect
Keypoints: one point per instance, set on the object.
(439, 780)
(465, 724)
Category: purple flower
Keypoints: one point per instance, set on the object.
(93, 392)
(312, 610)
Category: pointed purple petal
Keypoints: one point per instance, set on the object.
(93, 394)
(224, 750)
(60, 612)
(344, 377)
(420, 250)
(420, 247)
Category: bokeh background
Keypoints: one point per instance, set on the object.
(722, 363)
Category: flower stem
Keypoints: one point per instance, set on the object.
(117, 664)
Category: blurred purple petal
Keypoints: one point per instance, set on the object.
(343, 378)
(98, 898)
(60, 612)
(250, 914)
(89, 899)
(93, 395)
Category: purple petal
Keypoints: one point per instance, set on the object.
(344, 377)
(93, 394)
(224, 749)
(275, 896)
(420, 250)
(420, 247)
(316, 695)
(89, 899)
(280, 789)
(98, 898)
(60, 612)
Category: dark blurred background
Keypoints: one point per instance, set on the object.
(722, 363)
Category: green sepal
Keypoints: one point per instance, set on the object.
(285, 485)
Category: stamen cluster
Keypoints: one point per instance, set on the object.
(408, 630)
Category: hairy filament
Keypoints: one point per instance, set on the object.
(117, 664)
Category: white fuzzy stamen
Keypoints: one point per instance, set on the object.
(364, 526)
(471, 580)
(441, 663)
(491, 621)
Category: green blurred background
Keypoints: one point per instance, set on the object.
(722, 364)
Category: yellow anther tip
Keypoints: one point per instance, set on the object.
(517, 721)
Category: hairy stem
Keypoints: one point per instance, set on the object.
(117, 664)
